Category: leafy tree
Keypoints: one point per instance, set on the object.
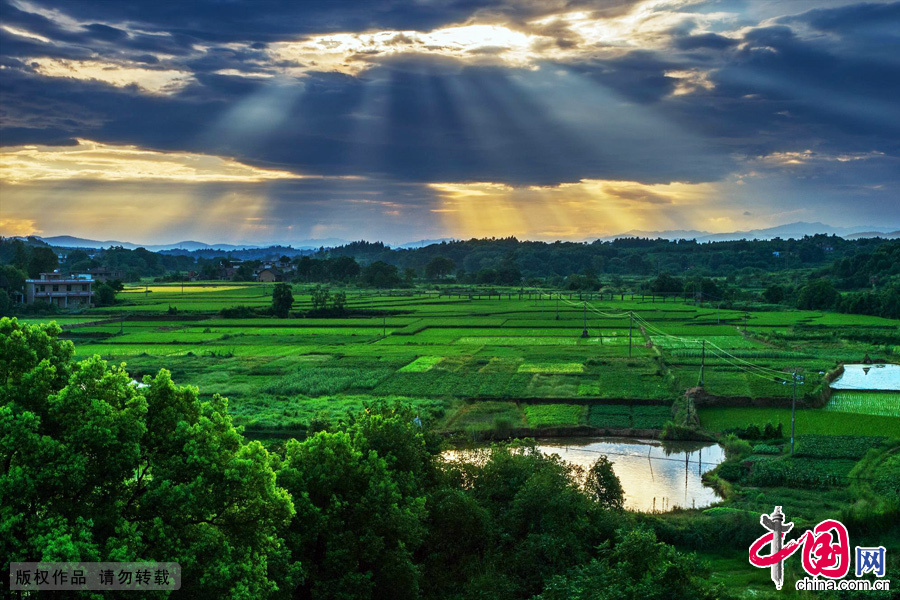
(244, 272)
(93, 468)
(666, 284)
(43, 260)
(774, 294)
(508, 272)
(320, 297)
(439, 267)
(282, 300)
(818, 294)
(104, 295)
(12, 278)
(77, 259)
(638, 568)
(540, 523)
(381, 275)
(339, 302)
(603, 484)
(343, 268)
(355, 530)
(34, 363)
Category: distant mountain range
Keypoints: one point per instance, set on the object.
(68, 241)
(791, 230)
(423, 243)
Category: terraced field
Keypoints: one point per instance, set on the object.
(511, 360)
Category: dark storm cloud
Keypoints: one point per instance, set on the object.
(270, 20)
(638, 76)
(427, 119)
(712, 41)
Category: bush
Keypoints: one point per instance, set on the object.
(732, 471)
(237, 312)
(755, 432)
(766, 449)
(736, 448)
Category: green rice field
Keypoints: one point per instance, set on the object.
(884, 404)
(473, 363)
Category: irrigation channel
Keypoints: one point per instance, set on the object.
(656, 477)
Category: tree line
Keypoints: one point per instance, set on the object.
(817, 272)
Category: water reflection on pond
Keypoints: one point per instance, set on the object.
(655, 476)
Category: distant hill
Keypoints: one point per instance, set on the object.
(791, 230)
(423, 243)
(893, 235)
(68, 241)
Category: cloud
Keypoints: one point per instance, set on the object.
(24, 33)
(103, 162)
(18, 227)
(690, 81)
(806, 157)
(534, 95)
(154, 81)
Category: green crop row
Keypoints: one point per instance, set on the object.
(555, 415)
(885, 404)
(835, 446)
(800, 472)
(624, 416)
(421, 364)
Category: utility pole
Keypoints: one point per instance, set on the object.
(630, 329)
(383, 326)
(702, 361)
(584, 332)
(557, 306)
(794, 377)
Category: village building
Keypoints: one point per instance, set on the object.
(68, 291)
(104, 274)
(269, 275)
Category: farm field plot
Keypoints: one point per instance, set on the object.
(886, 404)
(470, 362)
(809, 421)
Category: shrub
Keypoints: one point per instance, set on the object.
(736, 448)
(237, 312)
(732, 471)
(755, 432)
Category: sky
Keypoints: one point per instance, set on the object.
(267, 121)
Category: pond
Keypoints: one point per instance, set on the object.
(869, 377)
(655, 476)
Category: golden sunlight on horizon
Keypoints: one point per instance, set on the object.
(587, 209)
